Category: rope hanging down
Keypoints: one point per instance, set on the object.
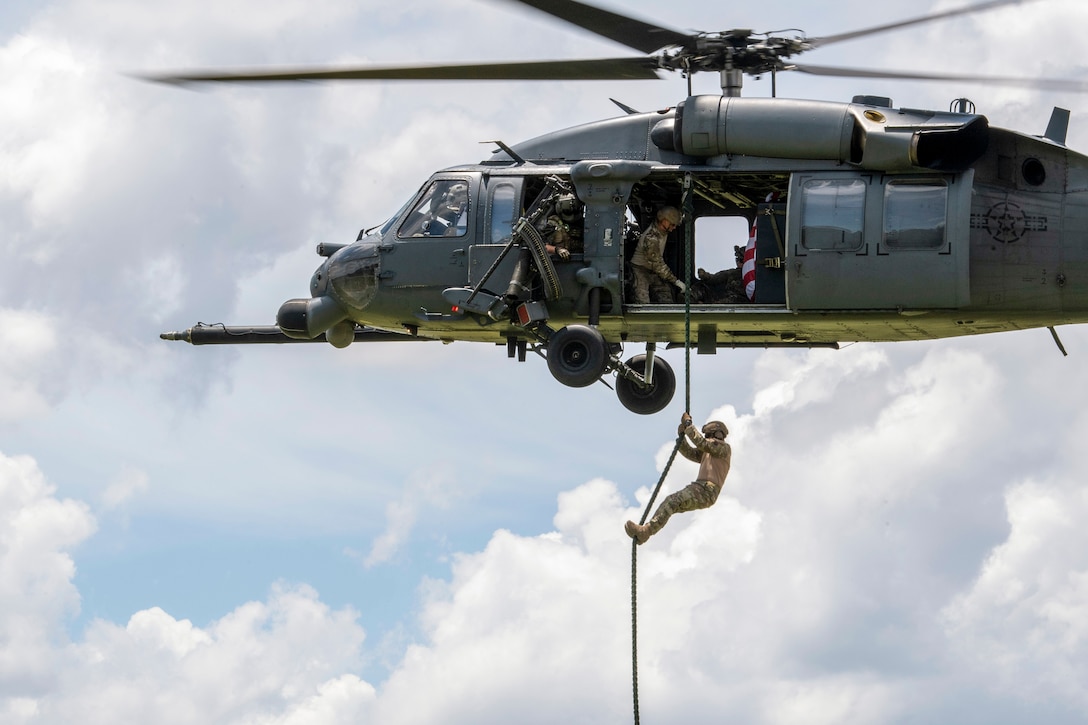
(689, 233)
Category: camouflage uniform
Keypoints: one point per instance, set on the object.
(561, 235)
(650, 275)
(714, 458)
(719, 288)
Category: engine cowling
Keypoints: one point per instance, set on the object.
(868, 136)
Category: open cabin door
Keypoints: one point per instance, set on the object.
(501, 207)
(861, 241)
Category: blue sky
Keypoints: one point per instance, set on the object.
(407, 533)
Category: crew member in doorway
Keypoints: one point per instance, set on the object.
(707, 448)
(563, 230)
(651, 276)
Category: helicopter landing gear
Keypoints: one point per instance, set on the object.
(644, 393)
(577, 355)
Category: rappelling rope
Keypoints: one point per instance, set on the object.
(689, 232)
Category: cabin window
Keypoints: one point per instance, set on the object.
(832, 214)
(442, 211)
(503, 208)
(914, 214)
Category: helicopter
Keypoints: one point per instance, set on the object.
(867, 223)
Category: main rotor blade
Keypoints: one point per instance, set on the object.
(620, 28)
(1048, 84)
(828, 40)
(579, 70)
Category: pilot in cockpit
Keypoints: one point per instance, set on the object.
(450, 217)
(442, 212)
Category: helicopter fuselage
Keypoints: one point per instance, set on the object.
(849, 251)
(868, 223)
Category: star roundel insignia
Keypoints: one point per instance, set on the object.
(1006, 222)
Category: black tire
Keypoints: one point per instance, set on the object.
(646, 400)
(577, 355)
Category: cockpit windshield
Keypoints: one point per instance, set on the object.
(392, 220)
(442, 211)
(380, 230)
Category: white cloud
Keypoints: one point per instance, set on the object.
(1023, 624)
(280, 661)
(839, 579)
(433, 487)
(345, 699)
(400, 518)
(130, 481)
(29, 342)
(37, 532)
(531, 625)
(286, 660)
(782, 378)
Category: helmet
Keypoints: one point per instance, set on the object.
(714, 427)
(670, 214)
(457, 192)
(567, 206)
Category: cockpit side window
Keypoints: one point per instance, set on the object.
(442, 211)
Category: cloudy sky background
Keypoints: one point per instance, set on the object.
(408, 534)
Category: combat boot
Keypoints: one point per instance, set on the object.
(639, 532)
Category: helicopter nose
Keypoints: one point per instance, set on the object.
(353, 275)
